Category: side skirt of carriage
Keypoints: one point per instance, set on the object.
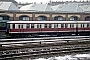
(44, 34)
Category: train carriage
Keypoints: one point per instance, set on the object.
(58, 28)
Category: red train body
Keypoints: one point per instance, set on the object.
(59, 28)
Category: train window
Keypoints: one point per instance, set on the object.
(45, 26)
(32, 25)
(88, 25)
(66, 25)
(55, 25)
(21, 26)
(28, 26)
(62, 25)
(82, 25)
(71, 25)
(18, 26)
(50, 26)
(13, 26)
(3, 24)
(39, 26)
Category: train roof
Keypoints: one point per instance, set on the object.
(48, 22)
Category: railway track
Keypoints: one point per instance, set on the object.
(42, 48)
(42, 52)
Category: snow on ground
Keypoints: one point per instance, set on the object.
(69, 57)
(83, 55)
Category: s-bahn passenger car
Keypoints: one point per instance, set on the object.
(59, 28)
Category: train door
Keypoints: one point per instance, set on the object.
(21, 28)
